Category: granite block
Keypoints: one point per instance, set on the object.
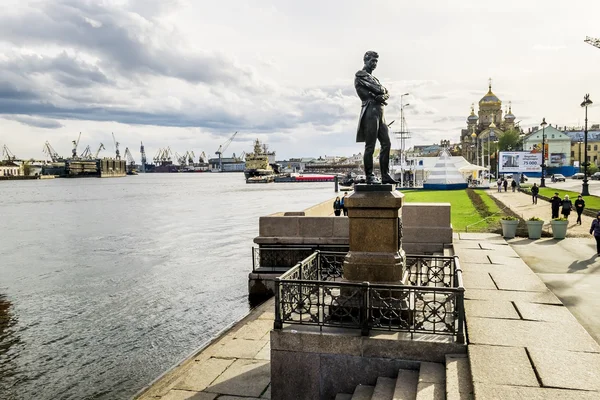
(567, 369)
(490, 309)
(505, 392)
(243, 378)
(202, 374)
(432, 372)
(519, 333)
(507, 295)
(459, 383)
(239, 348)
(316, 342)
(524, 282)
(187, 395)
(544, 312)
(295, 375)
(501, 366)
(478, 280)
(254, 330)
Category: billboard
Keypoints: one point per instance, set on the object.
(520, 161)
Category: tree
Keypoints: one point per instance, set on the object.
(510, 141)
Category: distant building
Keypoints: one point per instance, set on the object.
(558, 146)
(9, 168)
(487, 125)
(577, 137)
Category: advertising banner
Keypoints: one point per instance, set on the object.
(520, 161)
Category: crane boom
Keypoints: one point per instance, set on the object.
(117, 153)
(593, 41)
(49, 150)
(99, 150)
(75, 144)
(143, 155)
(7, 154)
(222, 149)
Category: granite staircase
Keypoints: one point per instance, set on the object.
(432, 381)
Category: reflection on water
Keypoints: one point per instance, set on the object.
(9, 339)
(113, 281)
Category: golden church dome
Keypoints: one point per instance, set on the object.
(490, 98)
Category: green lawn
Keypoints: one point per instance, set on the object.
(463, 213)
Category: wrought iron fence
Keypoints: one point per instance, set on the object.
(281, 259)
(313, 293)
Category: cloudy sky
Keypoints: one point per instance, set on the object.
(188, 74)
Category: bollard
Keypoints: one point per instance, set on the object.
(335, 179)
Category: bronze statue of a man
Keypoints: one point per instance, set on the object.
(371, 124)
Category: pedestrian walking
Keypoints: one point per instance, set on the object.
(513, 185)
(556, 202)
(505, 184)
(579, 207)
(337, 206)
(499, 183)
(595, 230)
(567, 206)
(344, 207)
(534, 193)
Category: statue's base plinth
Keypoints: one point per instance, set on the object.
(362, 266)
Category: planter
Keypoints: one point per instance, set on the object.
(559, 229)
(509, 228)
(534, 229)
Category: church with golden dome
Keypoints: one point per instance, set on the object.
(484, 127)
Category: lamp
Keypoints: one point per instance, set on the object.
(585, 189)
(543, 180)
(473, 137)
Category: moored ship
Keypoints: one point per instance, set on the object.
(261, 162)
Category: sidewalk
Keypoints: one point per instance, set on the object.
(520, 203)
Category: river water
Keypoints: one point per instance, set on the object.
(107, 283)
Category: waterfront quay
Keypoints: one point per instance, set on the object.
(521, 342)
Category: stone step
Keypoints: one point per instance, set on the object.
(343, 396)
(459, 383)
(432, 386)
(384, 389)
(363, 392)
(406, 385)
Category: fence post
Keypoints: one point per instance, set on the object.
(278, 324)
(364, 313)
(460, 307)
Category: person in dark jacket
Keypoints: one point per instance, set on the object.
(534, 193)
(513, 185)
(337, 206)
(567, 206)
(344, 207)
(556, 202)
(579, 207)
(595, 230)
(505, 184)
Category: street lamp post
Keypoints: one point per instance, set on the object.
(402, 137)
(474, 138)
(543, 180)
(580, 141)
(585, 189)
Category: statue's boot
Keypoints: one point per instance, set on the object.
(388, 179)
(372, 179)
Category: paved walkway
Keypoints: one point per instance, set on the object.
(521, 204)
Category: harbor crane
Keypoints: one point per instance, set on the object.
(593, 41)
(99, 150)
(191, 156)
(75, 144)
(49, 150)
(202, 159)
(7, 154)
(143, 154)
(222, 149)
(117, 153)
(87, 153)
(130, 161)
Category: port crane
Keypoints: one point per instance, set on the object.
(49, 150)
(99, 150)
(75, 144)
(7, 154)
(117, 153)
(222, 149)
(190, 156)
(130, 160)
(593, 41)
(202, 159)
(87, 153)
(143, 154)
(181, 159)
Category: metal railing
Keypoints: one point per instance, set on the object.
(281, 259)
(313, 293)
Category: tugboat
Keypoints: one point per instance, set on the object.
(260, 163)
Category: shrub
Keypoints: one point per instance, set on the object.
(560, 219)
(509, 218)
(535, 219)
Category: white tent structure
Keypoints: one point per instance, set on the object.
(445, 175)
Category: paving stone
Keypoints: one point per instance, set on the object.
(505, 260)
(478, 280)
(254, 330)
(267, 393)
(518, 333)
(239, 348)
(567, 369)
(187, 395)
(501, 365)
(490, 309)
(269, 315)
(200, 375)
(509, 295)
(459, 384)
(466, 245)
(243, 378)
(511, 268)
(524, 282)
(543, 312)
(484, 237)
(264, 353)
(503, 392)
(473, 256)
(237, 398)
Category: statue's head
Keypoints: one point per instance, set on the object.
(370, 59)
